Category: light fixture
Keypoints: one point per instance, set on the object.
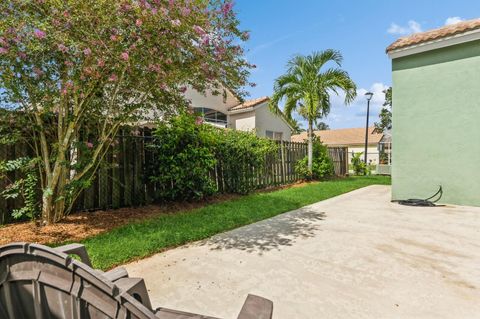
(369, 97)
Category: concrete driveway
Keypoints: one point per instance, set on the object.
(353, 256)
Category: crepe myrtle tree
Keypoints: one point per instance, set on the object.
(77, 66)
(306, 88)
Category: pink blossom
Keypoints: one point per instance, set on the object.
(39, 34)
(205, 40)
(3, 41)
(101, 63)
(125, 7)
(198, 120)
(62, 48)
(186, 11)
(124, 56)
(138, 23)
(176, 22)
(155, 67)
(3, 50)
(22, 55)
(89, 145)
(113, 37)
(227, 8)
(154, 11)
(87, 51)
(183, 89)
(69, 63)
(198, 30)
(113, 78)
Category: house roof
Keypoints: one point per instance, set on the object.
(436, 34)
(347, 136)
(250, 104)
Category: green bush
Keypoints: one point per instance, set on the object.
(241, 157)
(359, 166)
(322, 165)
(189, 155)
(184, 157)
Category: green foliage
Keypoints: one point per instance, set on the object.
(77, 64)
(237, 153)
(186, 153)
(385, 115)
(184, 158)
(359, 166)
(322, 126)
(307, 85)
(24, 187)
(322, 165)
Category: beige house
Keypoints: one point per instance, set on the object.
(252, 115)
(353, 138)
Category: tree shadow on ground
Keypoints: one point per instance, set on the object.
(273, 233)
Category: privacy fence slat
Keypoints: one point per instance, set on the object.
(122, 181)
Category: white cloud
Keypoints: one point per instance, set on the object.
(412, 27)
(453, 20)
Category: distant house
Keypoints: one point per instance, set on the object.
(353, 138)
(252, 115)
(436, 114)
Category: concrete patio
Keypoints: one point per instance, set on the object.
(353, 256)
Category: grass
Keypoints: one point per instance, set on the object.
(141, 239)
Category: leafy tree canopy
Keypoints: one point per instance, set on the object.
(385, 115)
(68, 64)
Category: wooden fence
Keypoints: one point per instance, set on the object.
(123, 180)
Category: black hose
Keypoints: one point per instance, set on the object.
(422, 202)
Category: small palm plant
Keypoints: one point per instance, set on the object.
(306, 88)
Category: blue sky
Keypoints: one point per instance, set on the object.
(361, 30)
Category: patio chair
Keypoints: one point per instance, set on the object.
(40, 282)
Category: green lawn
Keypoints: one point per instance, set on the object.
(145, 238)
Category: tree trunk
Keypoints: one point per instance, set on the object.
(310, 146)
(48, 209)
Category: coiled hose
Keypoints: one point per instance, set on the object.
(428, 202)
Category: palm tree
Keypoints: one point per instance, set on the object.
(306, 88)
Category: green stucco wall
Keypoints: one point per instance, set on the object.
(436, 124)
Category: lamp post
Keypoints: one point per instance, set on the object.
(369, 97)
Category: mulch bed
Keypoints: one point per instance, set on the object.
(79, 226)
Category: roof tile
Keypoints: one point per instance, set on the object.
(347, 136)
(250, 103)
(443, 32)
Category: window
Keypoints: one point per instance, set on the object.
(277, 136)
(212, 116)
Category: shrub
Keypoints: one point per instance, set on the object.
(322, 165)
(242, 157)
(184, 157)
(359, 166)
(189, 156)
